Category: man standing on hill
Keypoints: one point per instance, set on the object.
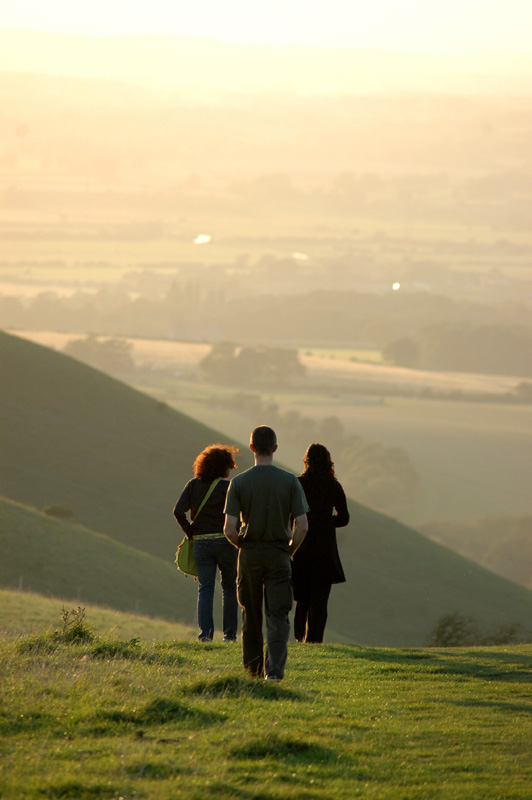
(263, 499)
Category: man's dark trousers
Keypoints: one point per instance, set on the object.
(264, 572)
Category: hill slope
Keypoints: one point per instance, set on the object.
(26, 613)
(51, 556)
(77, 437)
(402, 583)
(119, 458)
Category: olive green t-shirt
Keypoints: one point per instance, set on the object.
(265, 498)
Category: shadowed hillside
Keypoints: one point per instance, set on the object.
(51, 556)
(118, 458)
(79, 438)
(404, 583)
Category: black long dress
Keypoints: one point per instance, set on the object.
(316, 564)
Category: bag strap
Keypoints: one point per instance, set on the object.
(209, 492)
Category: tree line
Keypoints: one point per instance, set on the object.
(422, 330)
(371, 473)
(463, 347)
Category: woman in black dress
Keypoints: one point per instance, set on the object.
(316, 564)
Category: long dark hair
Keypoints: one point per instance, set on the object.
(318, 464)
(216, 461)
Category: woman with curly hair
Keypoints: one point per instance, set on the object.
(212, 550)
(316, 564)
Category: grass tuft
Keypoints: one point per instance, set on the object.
(76, 790)
(163, 709)
(279, 748)
(114, 648)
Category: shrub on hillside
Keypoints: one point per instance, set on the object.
(59, 511)
(457, 630)
(453, 630)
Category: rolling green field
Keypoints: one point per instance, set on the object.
(117, 459)
(98, 716)
(64, 559)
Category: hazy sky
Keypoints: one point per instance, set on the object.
(441, 26)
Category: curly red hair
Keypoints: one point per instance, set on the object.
(216, 461)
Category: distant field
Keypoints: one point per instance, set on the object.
(474, 459)
(159, 353)
(333, 367)
(366, 354)
(342, 373)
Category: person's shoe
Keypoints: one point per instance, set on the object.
(273, 679)
(229, 639)
(204, 639)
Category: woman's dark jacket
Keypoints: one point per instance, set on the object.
(317, 559)
(211, 519)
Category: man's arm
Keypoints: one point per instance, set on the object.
(231, 529)
(299, 533)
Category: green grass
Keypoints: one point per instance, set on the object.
(121, 719)
(118, 458)
(25, 613)
(51, 556)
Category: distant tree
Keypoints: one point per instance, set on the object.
(217, 363)
(458, 630)
(453, 630)
(59, 511)
(264, 365)
(402, 353)
(111, 355)
(331, 430)
(381, 477)
(492, 349)
(523, 392)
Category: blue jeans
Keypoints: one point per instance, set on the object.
(210, 554)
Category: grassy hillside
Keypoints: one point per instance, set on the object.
(113, 719)
(77, 437)
(403, 583)
(119, 458)
(54, 557)
(27, 613)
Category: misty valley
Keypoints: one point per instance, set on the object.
(350, 269)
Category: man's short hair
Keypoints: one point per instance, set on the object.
(263, 440)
